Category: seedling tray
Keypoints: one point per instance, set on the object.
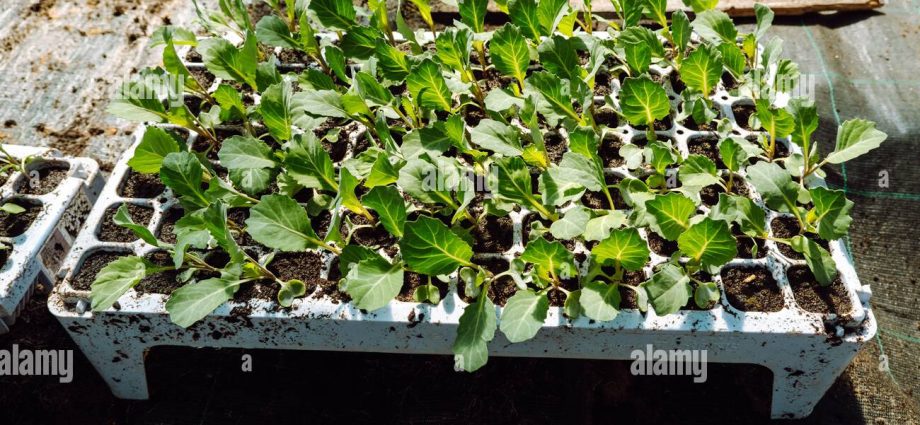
(36, 254)
(805, 350)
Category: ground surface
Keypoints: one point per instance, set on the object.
(60, 61)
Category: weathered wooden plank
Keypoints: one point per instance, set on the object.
(61, 61)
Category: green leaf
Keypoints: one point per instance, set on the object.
(290, 290)
(657, 11)
(600, 301)
(733, 58)
(558, 186)
(709, 241)
(429, 247)
(599, 228)
(643, 101)
(550, 13)
(715, 26)
(775, 185)
(354, 254)
(393, 64)
(706, 294)
(153, 148)
(669, 289)
(429, 181)
(227, 62)
(523, 14)
(368, 88)
(474, 331)
(192, 303)
(854, 138)
(382, 172)
(241, 152)
(680, 30)
(118, 277)
(510, 54)
(554, 95)
(428, 87)
(12, 209)
(454, 47)
(832, 209)
(309, 164)
(276, 108)
(123, 219)
(498, 137)
(182, 172)
(672, 214)
(559, 56)
(777, 122)
(138, 101)
(324, 103)
(702, 69)
(335, 58)
(818, 259)
(511, 182)
(347, 185)
(733, 154)
(373, 283)
(334, 14)
(625, 247)
(764, 18)
(549, 258)
(390, 207)
(572, 224)
(742, 210)
(698, 171)
(473, 13)
(360, 42)
(701, 5)
(271, 30)
(523, 315)
(278, 222)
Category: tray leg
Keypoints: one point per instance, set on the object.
(121, 366)
(798, 387)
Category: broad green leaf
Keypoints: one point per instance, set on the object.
(476, 328)
(669, 289)
(657, 11)
(335, 58)
(818, 259)
(709, 241)
(523, 315)
(118, 277)
(427, 293)
(550, 13)
(290, 290)
(510, 54)
(549, 258)
(733, 154)
(559, 56)
(428, 87)
(241, 152)
(278, 222)
(511, 182)
(390, 207)
(454, 47)
(276, 108)
(680, 30)
(558, 187)
(473, 13)
(334, 14)
(182, 172)
(805, 117)
(227, 62)
(715, 26)
(733, 59)
(392, 63)
(153, 148)
(370, 90)
(625, 247)
(309, 164)
(854, 138)
(495, 136)
(599, 228)
(138, 101)
(701, 5)
(572, 306)
(193, 302)
(742, 210)
(775, 121)
(764, 18)
(774, 184)
(523, 14)
(123, 219)
(706, 294)
(361, 42)
(643, 101)
(832, 212)
(323, 103)
(354, 254)
(347, 185)
(600, 301)
(672, 214)
(554, 94)
(429, 247)
(698, 171)
(638, 57)
(230, 101)
(702, 69)
(373, 283)
(271, 30)
(382, 172)
(572, 224)
(429, 181)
